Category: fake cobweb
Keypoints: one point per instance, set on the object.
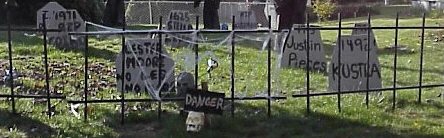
(213, 60)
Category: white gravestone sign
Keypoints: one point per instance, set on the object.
(294, 52)
(178, 20)
(364, 32)
(353, 69)
(58, 17)
(245, 19)
(142, 67)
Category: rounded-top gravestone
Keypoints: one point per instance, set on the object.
(57, 17)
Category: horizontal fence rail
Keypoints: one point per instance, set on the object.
(175, 99)
(30, 96)
(23, 29)
(314, 94)
(135, 32)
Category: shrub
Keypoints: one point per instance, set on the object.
(324, 9)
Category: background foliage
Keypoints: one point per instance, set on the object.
(324, 9)
(26, 10)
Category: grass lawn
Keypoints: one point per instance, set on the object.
(289, 119)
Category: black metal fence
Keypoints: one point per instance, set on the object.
(232, 97)
(12, 96)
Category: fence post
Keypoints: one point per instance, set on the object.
(368, 59)
(85, 90)
(339, 60)
(421, 58)
(159, 103)
(196, 55)
(233, 37)
(11, 79)
(45, 52)
(395, 62)
(269, 69)
(122, 93)
(307, 71)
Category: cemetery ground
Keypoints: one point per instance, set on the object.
(289, 118)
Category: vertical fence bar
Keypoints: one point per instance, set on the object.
(307, 67)
(269, 69)
(159, 103)
(421, 58)
(11, 79)
(85, 89)
(45, 52)
(232, 63)
(339, 45)
(151, 12)
(369, 42)
(122, 93)
(395, 63)
(196, 56)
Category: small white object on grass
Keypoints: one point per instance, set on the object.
(212, 64)
(74, 108)
(29, 35)
(195, 121)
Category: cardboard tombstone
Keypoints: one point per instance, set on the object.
(353, 70)
(364, 32)
(294, 52)
(57, 17)
(184, 82)
(245, 19)
(142, 72)
(279, 39)
(178, 20)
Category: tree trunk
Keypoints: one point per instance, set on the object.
(114, 13)
(210, 13)
(290, 12)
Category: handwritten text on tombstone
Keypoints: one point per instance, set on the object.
(66, 21)
(294, 52)
(142, 64)
(178, 20)
(353, 69)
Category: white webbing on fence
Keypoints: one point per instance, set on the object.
(212, 44)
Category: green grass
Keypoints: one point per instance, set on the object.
(410, 119)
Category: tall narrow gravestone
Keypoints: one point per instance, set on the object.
(294, 52)
(57, 17)
(353, 70)
(142, 67)
(178, 20)
(245, 19)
